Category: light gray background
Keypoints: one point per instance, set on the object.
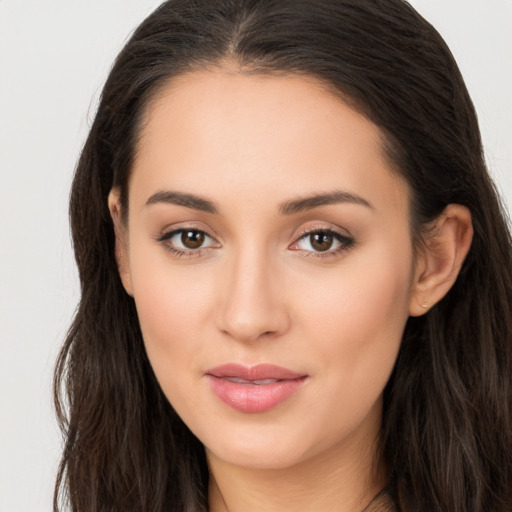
(54, 57)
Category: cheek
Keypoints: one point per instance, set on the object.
(170, 316)
(172, 305)
(357, 322)
(368, 291)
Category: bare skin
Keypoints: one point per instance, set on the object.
(266, 226)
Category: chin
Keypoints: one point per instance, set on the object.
(260, 457)
(262, 448)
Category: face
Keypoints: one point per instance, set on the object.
(268, 251)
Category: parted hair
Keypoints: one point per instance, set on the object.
(446, 433)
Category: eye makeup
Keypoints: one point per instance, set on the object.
(322, 242)
(318, 242)
(187, 241)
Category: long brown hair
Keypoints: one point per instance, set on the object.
(447, 424)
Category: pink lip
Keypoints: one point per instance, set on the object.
(244, 388)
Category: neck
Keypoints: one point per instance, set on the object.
(343, 480)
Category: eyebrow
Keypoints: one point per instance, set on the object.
(323, 199)
(182, 199)
(287, 208)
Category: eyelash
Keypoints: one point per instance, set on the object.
(165, 238)
(345, 242)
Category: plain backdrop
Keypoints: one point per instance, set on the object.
(54, 57)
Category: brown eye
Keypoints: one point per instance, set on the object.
(188, 242)
(321, 241)
(192, 239)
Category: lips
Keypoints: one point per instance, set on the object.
(254, 389)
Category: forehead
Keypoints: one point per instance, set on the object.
(221, 129)
(256, 103)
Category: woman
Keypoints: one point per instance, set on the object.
(296, 274)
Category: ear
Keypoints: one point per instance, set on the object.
(439, 261)
(121, 247)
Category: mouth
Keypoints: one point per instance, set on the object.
(259, 382)
(254, 389)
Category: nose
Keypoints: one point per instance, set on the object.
(252, 301)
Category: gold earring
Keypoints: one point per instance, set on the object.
(425, 304)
